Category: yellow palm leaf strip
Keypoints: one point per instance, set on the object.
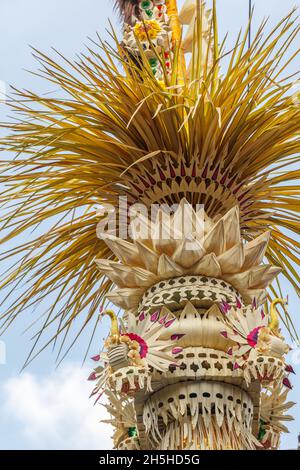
(176, 27)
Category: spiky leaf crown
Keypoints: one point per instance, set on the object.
(79, 151)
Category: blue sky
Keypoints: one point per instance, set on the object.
(45, 407)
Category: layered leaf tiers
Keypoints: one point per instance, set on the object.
(211, 248)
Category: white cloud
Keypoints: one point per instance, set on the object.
(54, 412)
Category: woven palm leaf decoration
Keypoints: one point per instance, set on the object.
(165, 116)
(154, 134)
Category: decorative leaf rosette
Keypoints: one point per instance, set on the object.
(136, 345)
(274, 406)
(123, 418)
(143, 340)
(252, 332)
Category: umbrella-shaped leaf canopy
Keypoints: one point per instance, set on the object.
(225, 140)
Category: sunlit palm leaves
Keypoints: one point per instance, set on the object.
(71, 150)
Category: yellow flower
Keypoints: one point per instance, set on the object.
(152, 34)
(155, 25)
(149, 29)
(135, 345)
(125, 339)
(111, 341)
(264, 339)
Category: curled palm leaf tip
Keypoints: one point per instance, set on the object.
(226, 136)
(114, 331)
(274, 317)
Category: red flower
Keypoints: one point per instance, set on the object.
(252, 337)
(143, 345)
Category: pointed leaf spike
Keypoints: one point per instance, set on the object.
(226, 306)
(177, 337)
(142, 316)
(96, 358)
(163, 320)
(93, 376)
(286, 382)
(154, 317)
(223, 310)
(98, 398)
(176, 351)
(94, 392)
(170, 323)
(290, 369)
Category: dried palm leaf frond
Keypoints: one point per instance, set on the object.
(126, 9)
(221, 141)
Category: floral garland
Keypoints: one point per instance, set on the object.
(151, 31)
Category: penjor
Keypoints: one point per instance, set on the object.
(205, 156)
(196, 355)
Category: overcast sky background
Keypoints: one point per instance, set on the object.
(45, 407)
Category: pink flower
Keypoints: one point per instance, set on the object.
(252, 337)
